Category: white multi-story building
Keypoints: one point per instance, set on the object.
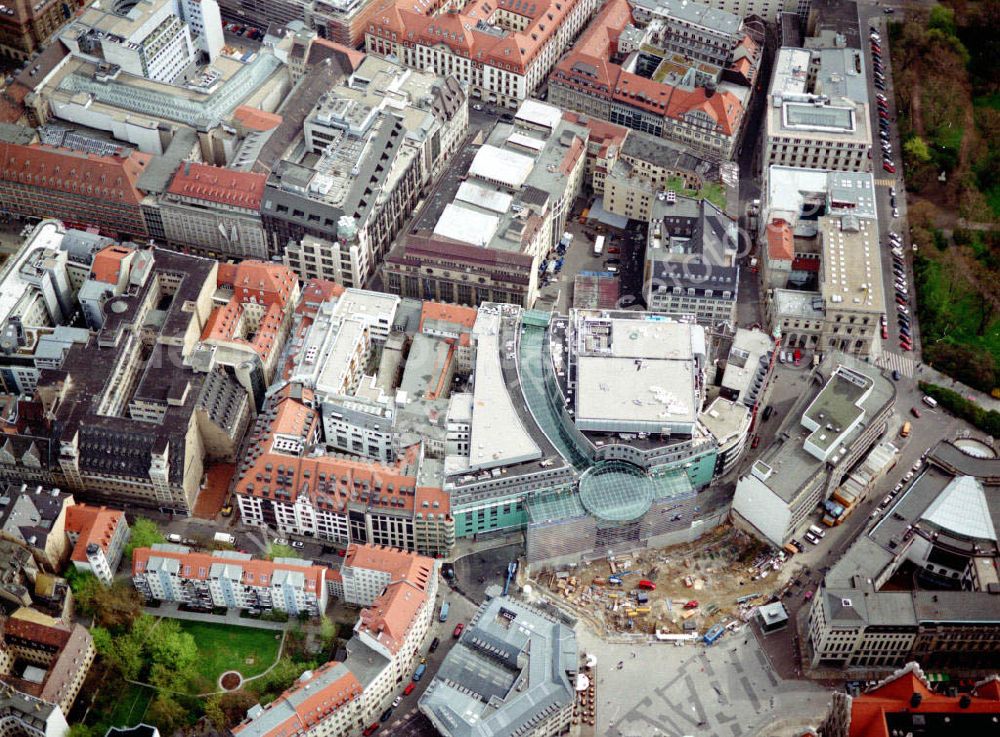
(817, 116)
(387, 642)
(501, 53)
(148, 38)
(99, 536)
(226, 578)
(206, 25)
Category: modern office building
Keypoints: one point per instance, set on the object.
(827, 431)
(817, 113)
(148, 38)
(229, 579)
(749, 367)
(513, 672)
(690, 266)
(497, 213)
(922, 582)
(677, 70)
(501, 53)
(344, 697)
(425, 118)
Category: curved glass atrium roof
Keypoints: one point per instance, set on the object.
(616, 491)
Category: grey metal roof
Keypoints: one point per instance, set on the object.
(512, 668)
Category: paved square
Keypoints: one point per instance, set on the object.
(727, 690)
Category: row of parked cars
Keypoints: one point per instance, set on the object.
(254, 34)
(885, 130)
(902, 293)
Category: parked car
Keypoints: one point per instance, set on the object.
(885, 332)
(895, 212)
(915, 412)
(457, 632)
(889, 167)
(280, 541)
(371, 729)
(755, 442)
(895, 375)
(385, 715)
(397, 701)
(298, 544)
(435, 643)
(409, 689)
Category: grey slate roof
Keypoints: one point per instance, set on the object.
(512, 668)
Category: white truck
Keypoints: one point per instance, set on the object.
(224, 537)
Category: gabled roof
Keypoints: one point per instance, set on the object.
(110, 178)
(242, 189)
(780, 241)
(95, 525)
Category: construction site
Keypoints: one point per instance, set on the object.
(674, 593)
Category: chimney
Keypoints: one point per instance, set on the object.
(915, 700)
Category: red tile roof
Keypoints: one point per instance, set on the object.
(43, 635)
(330, 480)
(93, 525)
(198, 566)
(461, 316)
(594, 50)
(108, 263)
(256, 120)
(780, 243)
(869, 710)
(316, 706)
(107, 178)
(253, 282)
(241, 189)
(513, 51)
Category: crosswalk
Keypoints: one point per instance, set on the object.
(885, 182)
(896, 362)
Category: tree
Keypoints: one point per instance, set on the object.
(943, 19)
(85, 587)
(214, 712)
(327, 632)
(173, 648)
(235, 705)
(82, 730)
(917, 149)
(167, 714)
(117, 606)
(145, 533)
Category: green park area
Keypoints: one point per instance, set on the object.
(223, 648)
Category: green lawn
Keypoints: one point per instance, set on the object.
(714, 193)
(131, 707)
(222, 648)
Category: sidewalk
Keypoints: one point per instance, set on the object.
(231, 618)
(932, 376)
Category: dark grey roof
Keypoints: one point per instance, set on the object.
(158, 173)
(666, 154)
(28, 512)
(513, 667)
(19, 134)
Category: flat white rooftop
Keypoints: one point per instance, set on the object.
(498, 437)
(14, 286)
(484, 197)
(466, 225)
(538, 113)
(501, 165)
